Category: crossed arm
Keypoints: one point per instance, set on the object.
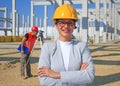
(46, 75)
(44, 71)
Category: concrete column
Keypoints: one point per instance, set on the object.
(23, 24)
(113, 22)
(115, 30)
(97, 22)
(116, 23)
(28, 23)
(79, 24)
(80, 29)
(118, 31)
(84, 21)
(17, 24)
(5, 23)
(13, 17)
(110, 22)
(45, 21)
(93, 28)
(40, 22)
(104, 39)
(55, 33)
(26, 27)
(11, 22)
(89, 29)
(32, 14)
(58, 2)
(36, 21)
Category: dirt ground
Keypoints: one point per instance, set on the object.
(106, 58)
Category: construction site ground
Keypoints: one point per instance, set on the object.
(106, 58)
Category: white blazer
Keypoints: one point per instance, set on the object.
(51, 57)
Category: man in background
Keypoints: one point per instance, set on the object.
(28, 41)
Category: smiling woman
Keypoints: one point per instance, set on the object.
(65, 28)
(65, 62)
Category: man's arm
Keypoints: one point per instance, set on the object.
(23, 41)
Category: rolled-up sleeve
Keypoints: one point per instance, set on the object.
(80, 76)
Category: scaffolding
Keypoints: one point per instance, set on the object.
(5, 20)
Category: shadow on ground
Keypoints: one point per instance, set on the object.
(102, 80)
(14, 60)
(104, 62)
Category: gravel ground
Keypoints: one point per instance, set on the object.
(106, 58)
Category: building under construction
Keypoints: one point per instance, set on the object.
(98, 24)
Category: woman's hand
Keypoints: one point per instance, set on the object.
(84, 66)
(44, 71)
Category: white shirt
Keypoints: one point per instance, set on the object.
(65, 48)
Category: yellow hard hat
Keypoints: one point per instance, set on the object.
(65, 11)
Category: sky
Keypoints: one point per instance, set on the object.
(23, 8)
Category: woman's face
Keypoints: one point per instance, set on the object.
(65, 28)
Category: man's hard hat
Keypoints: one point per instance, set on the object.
(34, 28)
(65, 11)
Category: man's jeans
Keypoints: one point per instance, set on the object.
(25, 64)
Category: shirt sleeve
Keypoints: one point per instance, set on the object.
(26, 36)
(80, 76)
(44, 60)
